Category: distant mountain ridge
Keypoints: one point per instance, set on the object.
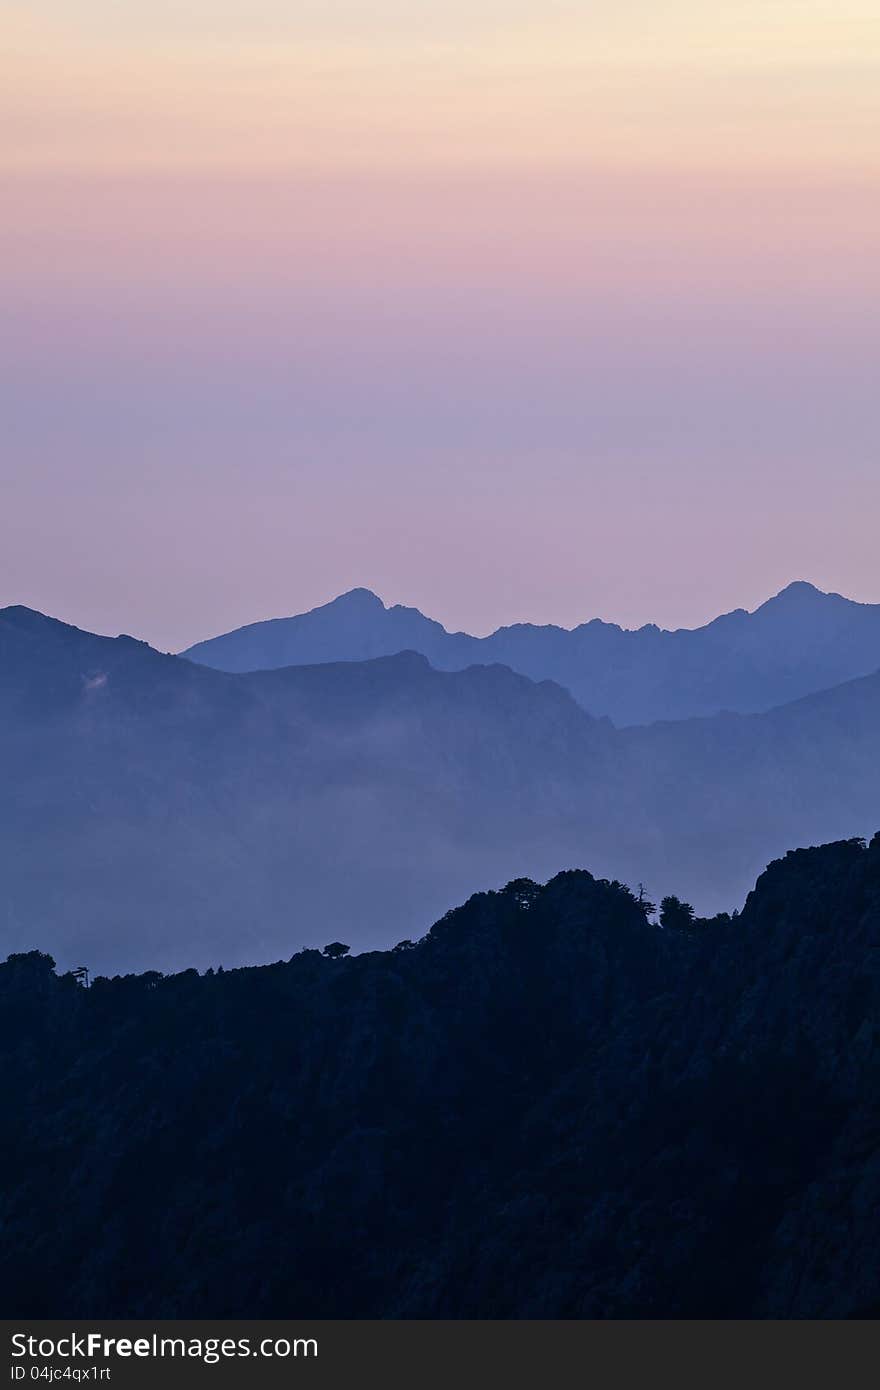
(155, 812)
(800, 641)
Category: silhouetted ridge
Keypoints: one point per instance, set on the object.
(548, 1107)
(799, 641)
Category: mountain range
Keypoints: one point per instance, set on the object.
(800, 641)
(158, 813)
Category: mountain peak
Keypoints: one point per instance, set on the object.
(363, 600)
(21, 619)
(23, 616)
(798, 590)
(801, 597)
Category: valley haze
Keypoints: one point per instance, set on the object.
(158, 813)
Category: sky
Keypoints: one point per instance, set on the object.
(509, 310)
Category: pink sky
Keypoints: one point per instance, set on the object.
(529, 313)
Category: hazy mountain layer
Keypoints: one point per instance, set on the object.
(796, 643)
(155, 812)
(549, 1108)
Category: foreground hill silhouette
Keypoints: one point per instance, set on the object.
(799, 642)
(155, 813)
(549, 1107)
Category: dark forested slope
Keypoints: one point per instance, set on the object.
(548, 1107)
